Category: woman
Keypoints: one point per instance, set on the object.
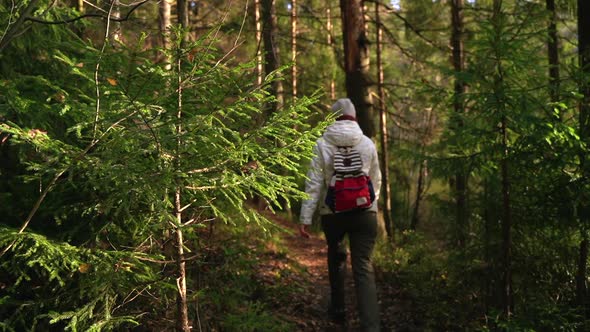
(359, 224)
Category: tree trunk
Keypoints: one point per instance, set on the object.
(182, 323)
(164, 23)
(584, 119)
(259, 70)
(330, 41)
(458, 60)
(182, 16)
(271, 49)
(356, 63)
(506, 290)
(552, 52)
(386, 189)
(294, 47)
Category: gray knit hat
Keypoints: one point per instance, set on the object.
(344, 106)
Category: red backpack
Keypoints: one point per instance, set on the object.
(350, 188)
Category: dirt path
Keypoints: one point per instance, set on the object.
(308, 309)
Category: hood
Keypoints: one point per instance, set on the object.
(343, 133)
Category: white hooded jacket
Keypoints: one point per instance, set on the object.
(341, 133)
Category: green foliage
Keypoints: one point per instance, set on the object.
(506, 79)
(239, 294)
(433, 284)
(124, 137)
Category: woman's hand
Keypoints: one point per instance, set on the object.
(303, 231)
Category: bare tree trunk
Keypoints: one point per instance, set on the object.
(182, 16)
(329, 29)
(271, 49)
(506, 286)
(181, 301)
(383, 137)
(164, 22)
(356, 63)
(458, 60)
(259, 71)
(584, 119)
(294, 47)
(552, 52)
(182, 323)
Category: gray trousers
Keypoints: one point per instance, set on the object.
(361, 227)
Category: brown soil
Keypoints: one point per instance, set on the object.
(307, 309)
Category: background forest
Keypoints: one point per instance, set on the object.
(148, 150)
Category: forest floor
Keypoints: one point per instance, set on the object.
(306, 308)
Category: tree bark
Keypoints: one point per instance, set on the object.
(182, 17)
(164, 22)
(259, 70)
(356, 63)
(294, 47)
(271, 49)
(506, 293)
(329, 30)
(383, 137)
(584, 119)
(552, 52)
(182, 323)
(458, 60)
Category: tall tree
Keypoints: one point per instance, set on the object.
(356, 62)
(182, 15)
(584, 119)
(383, 129)
(330, 41)
(294, 47)
(498, 82)
(164, 22)
(458, 60)
(271, 49)
(553, 51)
(182, 323)
(258, 24)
